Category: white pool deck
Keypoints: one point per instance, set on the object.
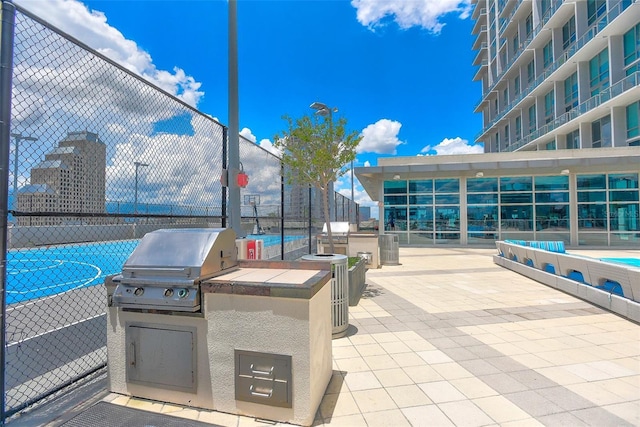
(449, 338)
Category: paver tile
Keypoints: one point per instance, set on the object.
(392, 417)
(429, 415)
(441, 391)
(361, 381)
(465, 413)
(392, 377)
(373, 400)
(501, 409)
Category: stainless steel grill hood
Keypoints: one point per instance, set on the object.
(165, 270)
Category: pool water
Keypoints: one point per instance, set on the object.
(272, 239)
(633, 262)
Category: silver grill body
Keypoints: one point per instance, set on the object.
(339, 232)
(165, 270)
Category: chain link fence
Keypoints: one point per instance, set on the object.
(97, 157)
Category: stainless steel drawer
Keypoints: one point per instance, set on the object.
(263, 378)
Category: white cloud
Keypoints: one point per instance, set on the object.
(248, 135)
(367, 164)
(380, 137)
(453, 146)
(268, 145)
(91, 27)
(67, 88)
(409, 13)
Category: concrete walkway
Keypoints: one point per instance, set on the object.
(449, 338)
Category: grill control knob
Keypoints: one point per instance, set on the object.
(182, 293)
(138, 291)
(168, 293)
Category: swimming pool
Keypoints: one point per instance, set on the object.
(633, 262)
(273, 239)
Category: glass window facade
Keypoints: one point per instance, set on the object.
(601, 132)
(528, 25)
(547, 54)
(573, 139)
(631, 48)
(569, 33)
(599, 72)
(548, 106)
(595, 9)
(432, 214)
(633, 126)
(532, 118)
(608, 209)
(482, 210)
(440, 211)
(531, 73)
(571, 92)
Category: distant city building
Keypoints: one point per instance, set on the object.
(70, 179)
(365, 213)
(560, 101)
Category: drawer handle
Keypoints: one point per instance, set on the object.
(256, 393)
(133, 354)
(259, 372)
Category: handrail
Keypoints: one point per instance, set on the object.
(508, 18)
(572, 49)
(595, 101)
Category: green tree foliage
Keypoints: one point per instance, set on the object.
(316, 148)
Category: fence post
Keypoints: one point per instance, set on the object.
(310, 206)
(6, 71)
(223, 208)
(282, 210)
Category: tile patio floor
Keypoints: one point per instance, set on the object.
(449, 338)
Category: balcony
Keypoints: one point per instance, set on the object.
(623, 86)
(589, 35)
(482, 54)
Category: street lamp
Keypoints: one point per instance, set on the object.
(323, 110)
(17, 138)
(135, 202)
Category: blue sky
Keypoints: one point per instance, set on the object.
(399, 71)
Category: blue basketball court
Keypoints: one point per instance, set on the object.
(41, 272)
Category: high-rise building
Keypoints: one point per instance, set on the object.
(560, 100)
(70, 179)
(558, 74)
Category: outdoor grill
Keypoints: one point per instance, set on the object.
(165, 270)
(190, 324)
(340, 234)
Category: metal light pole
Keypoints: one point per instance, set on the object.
(234, 123)
(17, 137)
(135, 198)
(323, 110)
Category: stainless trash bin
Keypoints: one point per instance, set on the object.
(339, 291)
(389, 249)
(367, 256)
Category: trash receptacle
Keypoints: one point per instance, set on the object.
(339, 291)
(367, 256)
(389, 249)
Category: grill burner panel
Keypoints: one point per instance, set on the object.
(157, 298)
(165, 270)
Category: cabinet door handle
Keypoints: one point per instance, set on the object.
(133, 354)
(259, 372)
(257, 393)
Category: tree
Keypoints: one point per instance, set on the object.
(316, 149)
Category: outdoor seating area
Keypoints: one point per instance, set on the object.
(456, 343)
